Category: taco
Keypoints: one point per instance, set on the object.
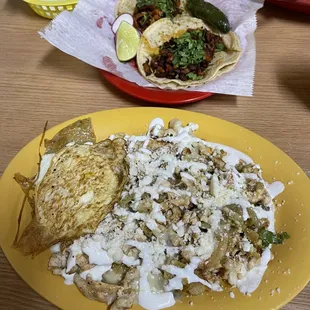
(146, 12)
(182, 52)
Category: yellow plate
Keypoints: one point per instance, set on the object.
(290, 269)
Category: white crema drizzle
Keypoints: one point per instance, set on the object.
(102, 258)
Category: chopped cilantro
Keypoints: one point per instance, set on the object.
(145, 18)
(141, 3)
(268, 237)
(194, 77)
(166, 6)
(219, 47)
(188, 49)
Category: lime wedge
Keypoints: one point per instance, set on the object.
(127, 41)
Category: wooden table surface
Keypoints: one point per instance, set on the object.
(38, 83)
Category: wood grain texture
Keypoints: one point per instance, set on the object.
(38, 83)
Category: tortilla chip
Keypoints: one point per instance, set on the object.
(78, 190)
(79, 132)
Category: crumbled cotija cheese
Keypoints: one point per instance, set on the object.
(171, 212)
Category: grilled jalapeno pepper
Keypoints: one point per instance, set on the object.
(209, 13)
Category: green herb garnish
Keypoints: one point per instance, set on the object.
(141, 3)
(219, 47)
(268, 237)
(166, 6)
(145, 18)
(194, 77)
(188, 49)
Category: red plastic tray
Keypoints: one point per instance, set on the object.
(156, 95)
(296, 5)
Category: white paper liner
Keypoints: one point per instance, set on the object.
(86, 34)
